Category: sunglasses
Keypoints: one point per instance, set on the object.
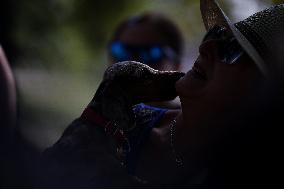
(230, 50)
(146, 54)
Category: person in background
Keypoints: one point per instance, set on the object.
(150, 38)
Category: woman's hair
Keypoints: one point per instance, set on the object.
(168, 30)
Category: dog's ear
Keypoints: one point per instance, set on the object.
(117, 106)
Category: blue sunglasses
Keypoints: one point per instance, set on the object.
(145, 54)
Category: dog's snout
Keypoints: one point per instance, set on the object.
(173, 76)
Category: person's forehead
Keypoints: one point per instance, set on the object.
(142, 34)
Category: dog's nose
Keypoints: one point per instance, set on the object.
(166, 84)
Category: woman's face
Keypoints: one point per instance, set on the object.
(214, 86)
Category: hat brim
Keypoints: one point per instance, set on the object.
(213, 15)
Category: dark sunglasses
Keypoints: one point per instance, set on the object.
(146, 54)
(230, 49)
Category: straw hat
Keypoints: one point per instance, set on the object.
(258, 34)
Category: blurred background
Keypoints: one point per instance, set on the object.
(57, 50)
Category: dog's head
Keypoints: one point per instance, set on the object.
(143, 83)
(128, 83)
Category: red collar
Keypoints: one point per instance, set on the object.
(97, 120)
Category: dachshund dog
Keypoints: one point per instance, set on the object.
(82, 157)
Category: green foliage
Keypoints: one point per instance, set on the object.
(72, 34)
(278, 1)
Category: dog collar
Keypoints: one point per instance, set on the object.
(109, 127)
